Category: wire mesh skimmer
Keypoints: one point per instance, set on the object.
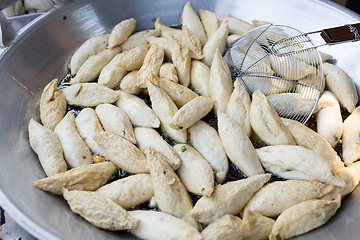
(285, 65)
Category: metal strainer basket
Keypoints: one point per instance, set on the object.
(289, 72)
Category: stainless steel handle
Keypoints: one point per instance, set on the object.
(5, 3)
(8, 33)
(10, 26)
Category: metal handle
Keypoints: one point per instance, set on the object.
(5, 3)
(7, 31)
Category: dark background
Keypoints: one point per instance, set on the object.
(354, 5)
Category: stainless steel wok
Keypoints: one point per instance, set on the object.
(41, 53)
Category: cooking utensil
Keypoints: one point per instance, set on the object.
(293, 87)
(40, 53)
(284, 64)
(331, 36)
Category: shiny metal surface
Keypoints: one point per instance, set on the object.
(41, 52)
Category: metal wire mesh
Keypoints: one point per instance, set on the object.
(271, 59)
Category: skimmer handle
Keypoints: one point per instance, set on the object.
(349, 32)
(331, 36)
